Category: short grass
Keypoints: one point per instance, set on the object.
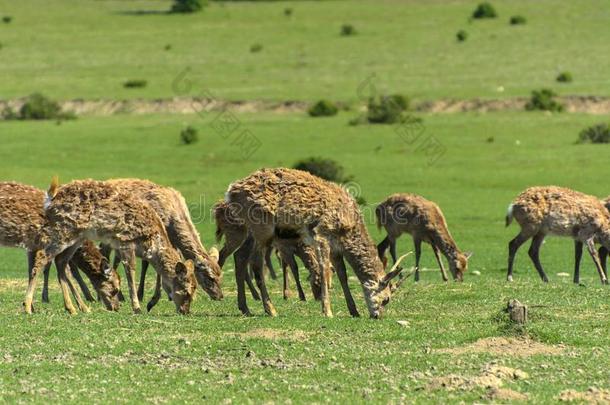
(88, 49)
(217, 355)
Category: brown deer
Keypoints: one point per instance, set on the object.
(424, 221)
(98, 210)
(21, 222)
(239, 243)
(542, 211)
(272, 201)
(171, 207)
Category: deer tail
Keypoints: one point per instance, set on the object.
(51, 192)
(509, 215)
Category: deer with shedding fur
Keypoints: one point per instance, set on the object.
(272, 201)
(21, 222)
(425, 222)
(98, 210)
(542, 211)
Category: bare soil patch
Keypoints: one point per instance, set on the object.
(505, 395)
(501, 346)
(273, 334)
(591, 396)
(492, 377)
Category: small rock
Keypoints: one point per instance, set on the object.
(403, 323)
(184, 341)
(475, 273)
(563, 274)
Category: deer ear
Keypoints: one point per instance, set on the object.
(384, 260)
(214, 254)
(181, 269)
(468, 255)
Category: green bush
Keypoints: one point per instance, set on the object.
(38, 107)
(348, 30)
(484, 10)
(168, 47)
(599, 133)
(256, 48)
(327, 169)
(187, 6)
(189, 135)
(517, 20)
(135, 83)
(564, 77)
(544, 100)
(461, 35)
(288, 12)
(7, 19)
(323, 108)
(387, 109)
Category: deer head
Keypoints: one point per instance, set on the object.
(209, 274)
(381, 295)
(184, 286)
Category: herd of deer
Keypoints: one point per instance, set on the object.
(291, 211)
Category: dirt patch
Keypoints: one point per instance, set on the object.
(492, 377)
(501, 346)
(505, 394)
(273, 334)
(13, 284)
(591, 396)
(190, 105)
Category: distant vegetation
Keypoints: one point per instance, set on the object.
(7, 19)
(37, 107)
(599, 133)
(564, 77)
(348, 30)
(288, 12)
(484, 10)
(135, 83)
(390, 109)
(256, 48)
(187, 6)
(189, 135)
(323, 108)
(544, 100)
(326, 169)
(461, 35)
(517, 20)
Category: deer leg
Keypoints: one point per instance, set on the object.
(32, 268)
(339, 265)
(143, 280)
(81, 283)
(75, 293)
(241, 258)
(383, 246)
(45, 285)
(286, 289)
(294, 268)
(593, 253)
(603, 255)
(115, 265)
(513, 246)
(437, 254)
(393, 249)
(417, 243)
(61, 261)
(577, 257)
(128, 258)
(534, 253)
(257, 268)
(269, 263)
(156, 295)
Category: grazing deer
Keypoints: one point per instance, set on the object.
(171, 207)
(424, 221)
(21, 222)
(98, 210)
(542, 211)
(239, 243)
(272, 201)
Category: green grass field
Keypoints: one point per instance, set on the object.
(87, 49)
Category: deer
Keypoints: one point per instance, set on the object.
(97, 210)
(171, 207)
(21, 222)
(272, 201)
(239, 243)
(559, 211)
(425, 222)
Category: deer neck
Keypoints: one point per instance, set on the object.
(447, 246)
(360, 252)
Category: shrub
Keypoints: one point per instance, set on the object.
(599, 133)
(543, 100)
(461, 35)
(38, 107)
(7, 19)
(323, 108)
(564, 77)
(327, 169)
(187, 6)
(387, 109)
(517, 20)
(484, 10)
(256, 48)
(168, 47)
(189, 135)
(287, 12)
(135, 83)
(348, 30)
